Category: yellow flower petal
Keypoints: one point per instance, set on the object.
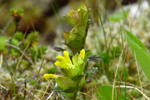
(57, 63)
(21, 14)
(66, 56)
(48, 76)
(82, 53)
(62, 61)
(60, 58)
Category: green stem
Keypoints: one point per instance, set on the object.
(75, 94)
(14, 89)
(8, 49)
(103, 32)
(84, 97)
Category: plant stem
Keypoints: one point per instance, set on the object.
(14, 88)
(75, 94)
(103, 32)
(8, 49)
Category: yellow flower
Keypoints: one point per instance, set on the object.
(82, 54)
(48, 76)
(64, 62)
(66, 56)
(15, 12)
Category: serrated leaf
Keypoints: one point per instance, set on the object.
(140, 52)
(105, 93)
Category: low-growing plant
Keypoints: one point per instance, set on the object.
(30, 70)
(74, 68)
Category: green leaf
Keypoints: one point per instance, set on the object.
(75, 39)
(3, 42)
(80, 80)
(105, 93)
(12, 10)
(32, 82)
(140, 52)
(65, 83)
(34, 51)
(119, 16)
(33, 36)
(52, 70)
(116, 51)
(19, 36)
(15, 42)
(20, 10)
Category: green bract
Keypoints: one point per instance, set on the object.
(73, 71)
(75, 39)
(71, 68)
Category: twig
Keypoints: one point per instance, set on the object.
(124, 83)
(51, 93)
(121, 75)
(8, 49)
(41, 92)
(25, 85)
(33, 88)
(37, 78)
(88, 95)
(40, 68)
(1, 61)
(122, 86)
(31, 94)
(138, 74)
(97, 90)
(103, 32)
(134, 17)
(3, 87)
(22, 53)
(116, 74)
(46, 89)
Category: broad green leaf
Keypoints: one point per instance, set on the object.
(134, 39)
(105, 93)
(119, 16)
(140, 52)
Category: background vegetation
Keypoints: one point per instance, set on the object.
(117, 48)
